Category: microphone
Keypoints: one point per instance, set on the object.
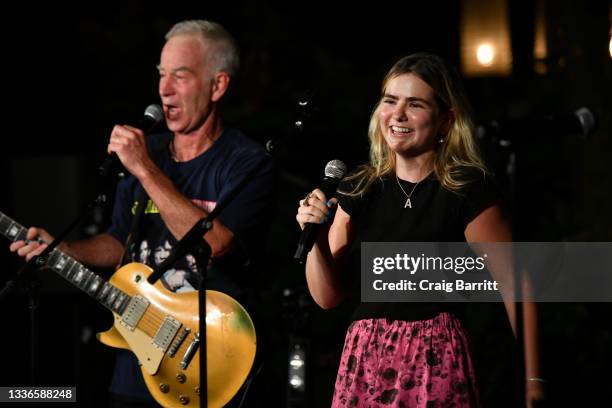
(152, 116)
(581, 122)
(334, 172)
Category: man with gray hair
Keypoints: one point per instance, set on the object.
(222, 53)
(183, 173)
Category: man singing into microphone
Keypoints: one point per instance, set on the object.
(179, 177)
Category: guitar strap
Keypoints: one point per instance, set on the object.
(141, 198)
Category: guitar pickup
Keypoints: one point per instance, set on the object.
(179, 340)
(166, 333)
(134, 312)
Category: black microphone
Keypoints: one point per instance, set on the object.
(334, 172)
(153, 115)
(581, 122)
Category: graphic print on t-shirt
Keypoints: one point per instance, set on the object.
(156, 247)
(175, 279)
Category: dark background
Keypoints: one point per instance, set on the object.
(70, 72)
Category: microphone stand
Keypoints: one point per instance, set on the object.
(29, 278)
(193, 242)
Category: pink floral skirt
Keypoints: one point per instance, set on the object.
(392, 363)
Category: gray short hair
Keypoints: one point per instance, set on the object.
(223, 53)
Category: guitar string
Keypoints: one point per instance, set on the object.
(157, 319)
(149, 324)
(150, 328)
(152, 325)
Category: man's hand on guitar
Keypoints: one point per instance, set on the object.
(37, 241)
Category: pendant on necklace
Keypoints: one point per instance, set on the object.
(408, 203)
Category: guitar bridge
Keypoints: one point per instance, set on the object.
(191, 350)
(134, 312)
(166, 333)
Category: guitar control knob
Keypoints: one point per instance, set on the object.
(180, 377)
(163, 387)
(184, 399)
(197, 390)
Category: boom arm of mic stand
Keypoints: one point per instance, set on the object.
(193, 241)
(196, 234)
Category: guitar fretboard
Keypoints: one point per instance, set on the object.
(74, 272)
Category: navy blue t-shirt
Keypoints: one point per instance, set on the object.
(205, 180)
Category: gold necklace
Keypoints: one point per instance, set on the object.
(408, 202)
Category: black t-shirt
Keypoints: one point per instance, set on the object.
(437, 215)
(205, 180)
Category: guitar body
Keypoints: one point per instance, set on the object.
(162, 329)
(231, 340)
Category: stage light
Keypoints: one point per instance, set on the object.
(297, 367)
(485, 38)
(540, 44)
(296, 361)
(485, 54)
(296, 382)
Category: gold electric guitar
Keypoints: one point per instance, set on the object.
(161, 329)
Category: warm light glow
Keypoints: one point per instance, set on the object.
(540, 46)
(485, 38)
(485, 54)
(610, 47)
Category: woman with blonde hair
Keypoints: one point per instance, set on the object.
(425, 181)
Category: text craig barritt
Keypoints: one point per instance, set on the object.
(426, 285)
(412, 264)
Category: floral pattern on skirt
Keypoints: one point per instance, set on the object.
(393, 363)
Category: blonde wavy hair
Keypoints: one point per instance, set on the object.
(456, 158)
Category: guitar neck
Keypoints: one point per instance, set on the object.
(74, 272)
